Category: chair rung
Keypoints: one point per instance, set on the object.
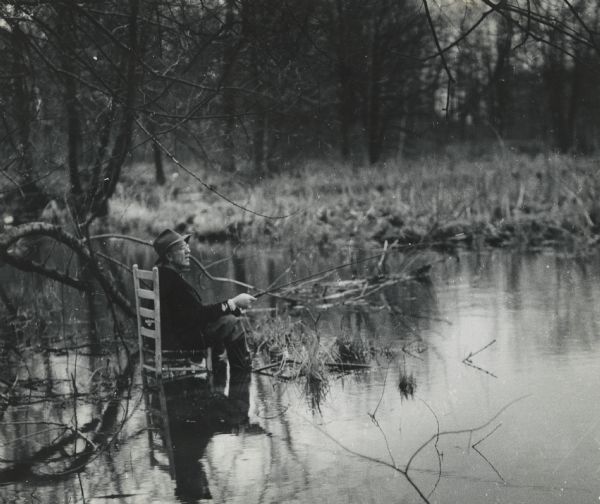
(145, 293)
(148, 333)
(197, 369)
(147, 313)
(144, 274)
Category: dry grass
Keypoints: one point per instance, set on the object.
(504, 198)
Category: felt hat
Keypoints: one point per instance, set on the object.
(165, 240)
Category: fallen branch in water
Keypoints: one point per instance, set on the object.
(435, 437)
(468, 362)
(474, 446)
(473, 354)
(323, 295)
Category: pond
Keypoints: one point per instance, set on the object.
(485, 383)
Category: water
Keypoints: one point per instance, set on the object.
(520, 424)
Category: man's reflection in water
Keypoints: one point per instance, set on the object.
(194, 410)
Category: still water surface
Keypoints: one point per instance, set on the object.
(533, 391)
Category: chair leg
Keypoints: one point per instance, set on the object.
(209, 361)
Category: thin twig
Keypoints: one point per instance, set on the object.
(372, 415)
(208, 186)
(470, 364)
(463, 431)
(473, 354)
(474, 446)
(435, 445)
(376, 422)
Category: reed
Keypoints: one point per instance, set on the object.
(499, 200)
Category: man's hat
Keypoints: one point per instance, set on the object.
(165, 240)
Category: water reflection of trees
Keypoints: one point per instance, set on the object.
(64, 383)
(56, 425)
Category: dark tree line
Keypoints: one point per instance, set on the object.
(88, 87)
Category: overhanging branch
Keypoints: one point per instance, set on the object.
(38, 229)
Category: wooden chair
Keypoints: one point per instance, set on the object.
(147, 303)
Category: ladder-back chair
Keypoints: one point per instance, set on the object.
(147, 304)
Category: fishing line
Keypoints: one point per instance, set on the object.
(210, 187)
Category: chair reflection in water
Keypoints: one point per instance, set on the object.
(183, 415)
(186, 404)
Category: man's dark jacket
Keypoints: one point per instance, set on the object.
(183, 316)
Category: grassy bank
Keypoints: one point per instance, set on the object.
(501, 200)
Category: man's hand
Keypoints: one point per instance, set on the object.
(243, 300)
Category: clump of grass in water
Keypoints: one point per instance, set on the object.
(352, 350)
(274, 338)
(407, 384)
(298, 350)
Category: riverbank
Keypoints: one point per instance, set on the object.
(505, 200)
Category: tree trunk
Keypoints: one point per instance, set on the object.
(65, 28)
(373, 122)
(228, 96)
(259, 141)
(157, 155)
(158, 164)
(501, 79)
(345, 82)
(33, 198)
(122, 142)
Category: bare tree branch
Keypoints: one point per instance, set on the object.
(36, 229)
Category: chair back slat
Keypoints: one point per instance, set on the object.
(145, 294)
(148, 333)
(145, 274)
(147, 313)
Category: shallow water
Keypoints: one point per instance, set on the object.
(520, 424)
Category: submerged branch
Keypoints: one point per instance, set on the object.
(462, 431)
(474, 446)
(435, 437)
(468, 362)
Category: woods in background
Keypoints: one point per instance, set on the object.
(256, 85)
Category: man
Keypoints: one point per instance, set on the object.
(187, 324)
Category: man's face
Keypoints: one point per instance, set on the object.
(179, 255)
